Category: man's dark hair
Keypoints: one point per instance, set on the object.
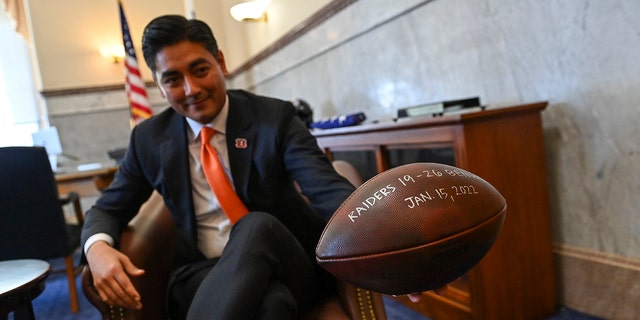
(170, 29)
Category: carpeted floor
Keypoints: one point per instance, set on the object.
(396, 311)
(53, 304)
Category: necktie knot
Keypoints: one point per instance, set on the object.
(206, 133)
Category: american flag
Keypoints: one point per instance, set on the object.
(134, 85)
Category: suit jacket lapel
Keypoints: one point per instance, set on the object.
(241, 138)
(174, 155)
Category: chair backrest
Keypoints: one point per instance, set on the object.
(348, 171)
(32, 223)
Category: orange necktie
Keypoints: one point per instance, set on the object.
(214, 172)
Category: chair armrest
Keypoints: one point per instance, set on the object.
(359, 303)
(73, 197)
(149, 242)
(350, 303)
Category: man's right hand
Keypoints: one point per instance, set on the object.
(111, 271)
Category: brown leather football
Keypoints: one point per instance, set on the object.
(412, 228)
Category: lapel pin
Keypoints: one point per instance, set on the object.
(241, 143)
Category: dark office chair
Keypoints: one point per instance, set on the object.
(32, 222)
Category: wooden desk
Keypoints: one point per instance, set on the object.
(21, 281)
(86, 183)
(515, 280)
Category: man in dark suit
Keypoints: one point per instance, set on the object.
(263, 265)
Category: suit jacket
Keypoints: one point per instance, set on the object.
(269, 148)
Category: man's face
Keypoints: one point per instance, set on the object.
(192, 80)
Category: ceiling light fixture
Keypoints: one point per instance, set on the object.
(250, 10)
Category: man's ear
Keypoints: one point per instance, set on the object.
(222, 64)
(160, 89)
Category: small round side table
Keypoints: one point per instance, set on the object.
(21, 281)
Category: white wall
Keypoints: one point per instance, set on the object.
(67, 35)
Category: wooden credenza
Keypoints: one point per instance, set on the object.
(515, 280)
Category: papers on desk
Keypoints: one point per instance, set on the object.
(89, 166)
(72, 168)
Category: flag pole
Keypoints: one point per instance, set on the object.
(189, 9)
(135, 88)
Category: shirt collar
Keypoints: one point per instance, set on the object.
(219, 123)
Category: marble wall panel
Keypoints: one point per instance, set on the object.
(90, 124)
(579, 55)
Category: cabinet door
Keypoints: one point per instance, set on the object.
(404, 155)
(458, 293)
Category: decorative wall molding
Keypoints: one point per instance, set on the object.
(314, 44)
(597, 283)
(610, 259)
(305, 26)
(84, 90)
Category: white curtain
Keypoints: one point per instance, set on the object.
(18, 97)
(15, 10)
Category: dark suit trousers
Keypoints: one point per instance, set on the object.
(263, 273)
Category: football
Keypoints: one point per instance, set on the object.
(412, 228)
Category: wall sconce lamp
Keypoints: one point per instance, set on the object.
(255, 10)
(114, 54)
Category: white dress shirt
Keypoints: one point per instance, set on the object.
(213, 225)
